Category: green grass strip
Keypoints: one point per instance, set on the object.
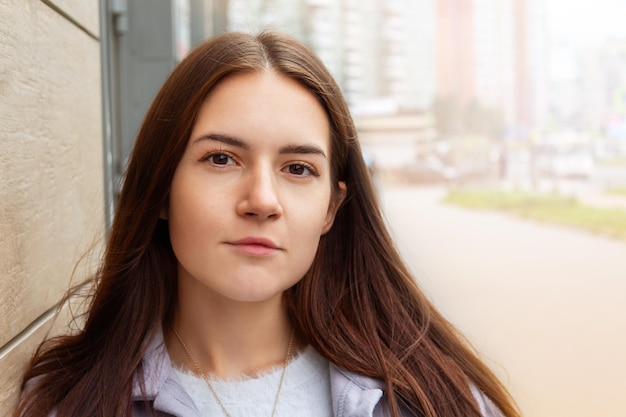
(545, 208)
(613, 163)
(617, 191)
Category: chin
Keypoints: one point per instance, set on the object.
(255, 295)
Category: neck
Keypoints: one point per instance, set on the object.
(229, 339)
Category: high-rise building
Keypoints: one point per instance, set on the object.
(495, 51)
(408, 53)
(537, 64)
(490, 54)
(455, 50)
(380, 52)
(602, 88)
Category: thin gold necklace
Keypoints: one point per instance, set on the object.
(206, 378)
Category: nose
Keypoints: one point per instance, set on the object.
(260, 196)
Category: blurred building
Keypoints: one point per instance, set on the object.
(602, 89)
(256, 15)
(586, 98)
(537, 54)
(381, 53)
(455, 50)
(490, 55)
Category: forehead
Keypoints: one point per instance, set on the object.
(263, 105)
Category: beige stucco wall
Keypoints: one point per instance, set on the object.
(51, 170)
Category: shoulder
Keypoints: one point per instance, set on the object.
(157, 389)
(348, 378)
(487, 407)
(30, 386)
(355, 395)
(359, 395)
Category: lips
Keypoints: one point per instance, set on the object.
(255, 246)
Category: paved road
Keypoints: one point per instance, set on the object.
(545, 305)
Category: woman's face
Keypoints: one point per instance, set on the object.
(252, 194)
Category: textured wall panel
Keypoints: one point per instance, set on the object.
(13, 361)
(83, 12)
(51, 185)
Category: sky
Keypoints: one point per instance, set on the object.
(572, 25)
(586, 21)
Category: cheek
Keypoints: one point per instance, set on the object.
(307, 246)
(180, 225)
(309, 225)
(190, 210)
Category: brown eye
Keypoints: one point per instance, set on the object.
(297, 169)
(220, 159)
(301, 170)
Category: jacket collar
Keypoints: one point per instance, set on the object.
(161, 384)
(355, 395)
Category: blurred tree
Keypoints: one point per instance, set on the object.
(451, 118)
(448, 115)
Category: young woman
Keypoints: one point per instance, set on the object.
(249, 271)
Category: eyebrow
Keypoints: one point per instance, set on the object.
(228, 140)
(236, 142)
(301, 149)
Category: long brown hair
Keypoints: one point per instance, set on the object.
(358, 306)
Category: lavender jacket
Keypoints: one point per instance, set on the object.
(353, 395)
